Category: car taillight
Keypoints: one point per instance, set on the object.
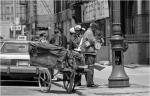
(23, 63)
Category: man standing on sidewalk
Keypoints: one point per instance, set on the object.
(78, 42)
(88, 48)
(74, 46)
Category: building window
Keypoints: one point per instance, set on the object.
(12, 10)
(7, 18)
(135, 20)
(7, 10)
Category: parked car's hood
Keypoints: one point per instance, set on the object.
(14, 56)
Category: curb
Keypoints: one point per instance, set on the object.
(132, 67)
(76, 91)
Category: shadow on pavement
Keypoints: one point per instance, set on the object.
(18, 83)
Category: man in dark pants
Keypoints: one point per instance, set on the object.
(90, 52)
(74, 43)
(79, 35)
(90, 60)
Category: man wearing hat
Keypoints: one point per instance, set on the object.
(56, 38)
(42, 38)
(79, 35)
(90, 52)
(76, 34)
(75, 39)
(72, 45)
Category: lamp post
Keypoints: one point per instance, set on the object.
(118, 77)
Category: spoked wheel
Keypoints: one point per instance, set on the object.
(45, 81)
(68, 80)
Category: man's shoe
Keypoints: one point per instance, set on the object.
(91, 85)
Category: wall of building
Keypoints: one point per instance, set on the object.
(103, 54)
(137, 32)
(137, 53)
(45, 15)
(5, 29)
(135, 25)
(10, 10)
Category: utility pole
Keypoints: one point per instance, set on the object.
(14, 15)
(27, 18)
(35, 16)
(118, 76)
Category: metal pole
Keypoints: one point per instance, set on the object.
(118, 77)
(35, 15)
(14, 13)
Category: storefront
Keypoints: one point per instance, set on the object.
(98, 11)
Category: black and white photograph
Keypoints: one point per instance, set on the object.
(74, 48)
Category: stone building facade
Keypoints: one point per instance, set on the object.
(134, 24)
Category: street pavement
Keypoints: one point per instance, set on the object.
(139, 78)
(30, 89)
(139, 84)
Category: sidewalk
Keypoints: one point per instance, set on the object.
(139, 83)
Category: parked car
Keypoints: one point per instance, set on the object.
(15, 63)
(1, 43)
(15, 60)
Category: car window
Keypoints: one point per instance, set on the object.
(15, 48)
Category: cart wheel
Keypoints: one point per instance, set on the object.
(68, 81)
(45, 81)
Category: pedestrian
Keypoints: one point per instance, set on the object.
(90, 52)
(78, 31)
(63, 39)
(42, 38)
(35, 38)
(72, 45)
(75, 37)
(75, 40)
(56, 38)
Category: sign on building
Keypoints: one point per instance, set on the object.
(17, 27)
(95, 10)
(22, 37)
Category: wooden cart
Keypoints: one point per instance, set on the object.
(50, 56)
